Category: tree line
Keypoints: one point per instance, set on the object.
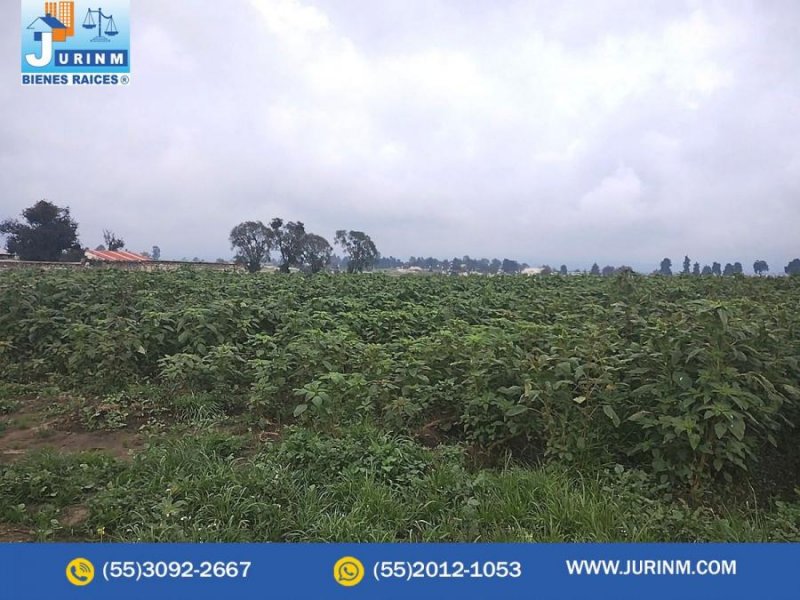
(49, 233)
(760, 268)
(456, 265)
(295, 247)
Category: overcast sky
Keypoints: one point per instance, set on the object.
(547, 131)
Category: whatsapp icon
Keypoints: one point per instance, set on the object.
(348, 571)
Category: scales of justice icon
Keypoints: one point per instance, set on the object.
(89, 23)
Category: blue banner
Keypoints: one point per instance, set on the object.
(568, 571)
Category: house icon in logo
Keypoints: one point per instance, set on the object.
(59, 20)
(51, 25)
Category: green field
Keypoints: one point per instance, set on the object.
(197, 406)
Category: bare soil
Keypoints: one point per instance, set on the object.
(32, 427)
(14, 533)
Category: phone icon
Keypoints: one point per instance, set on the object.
(82, 578)
(80, 572)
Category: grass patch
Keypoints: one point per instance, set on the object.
(358, 485)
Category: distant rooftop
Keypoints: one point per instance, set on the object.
(115, 256)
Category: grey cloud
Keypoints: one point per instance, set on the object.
(617, 132)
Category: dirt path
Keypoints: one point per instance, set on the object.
(32, 428)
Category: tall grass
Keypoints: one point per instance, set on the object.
(365, 486)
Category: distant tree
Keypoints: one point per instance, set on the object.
(687, 263)
(456, 266)
(100, 248)
(220, 261)
(387, 262)
(728, 270)
(495, 266)
(563, 270)
(317, 252)
(595, 269)
(666, 267)
(74, 254)
(112, 242)
(738, 269)
(360, 250)
(289, 240)
(716, 269)
(547, 270)
(50, 234)
(336, 263)
(510, 267)
(608, 271)
(793, 268)
(696, 269)
(156, 253)
(760, 267)
(252, 240)
(707, 270)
